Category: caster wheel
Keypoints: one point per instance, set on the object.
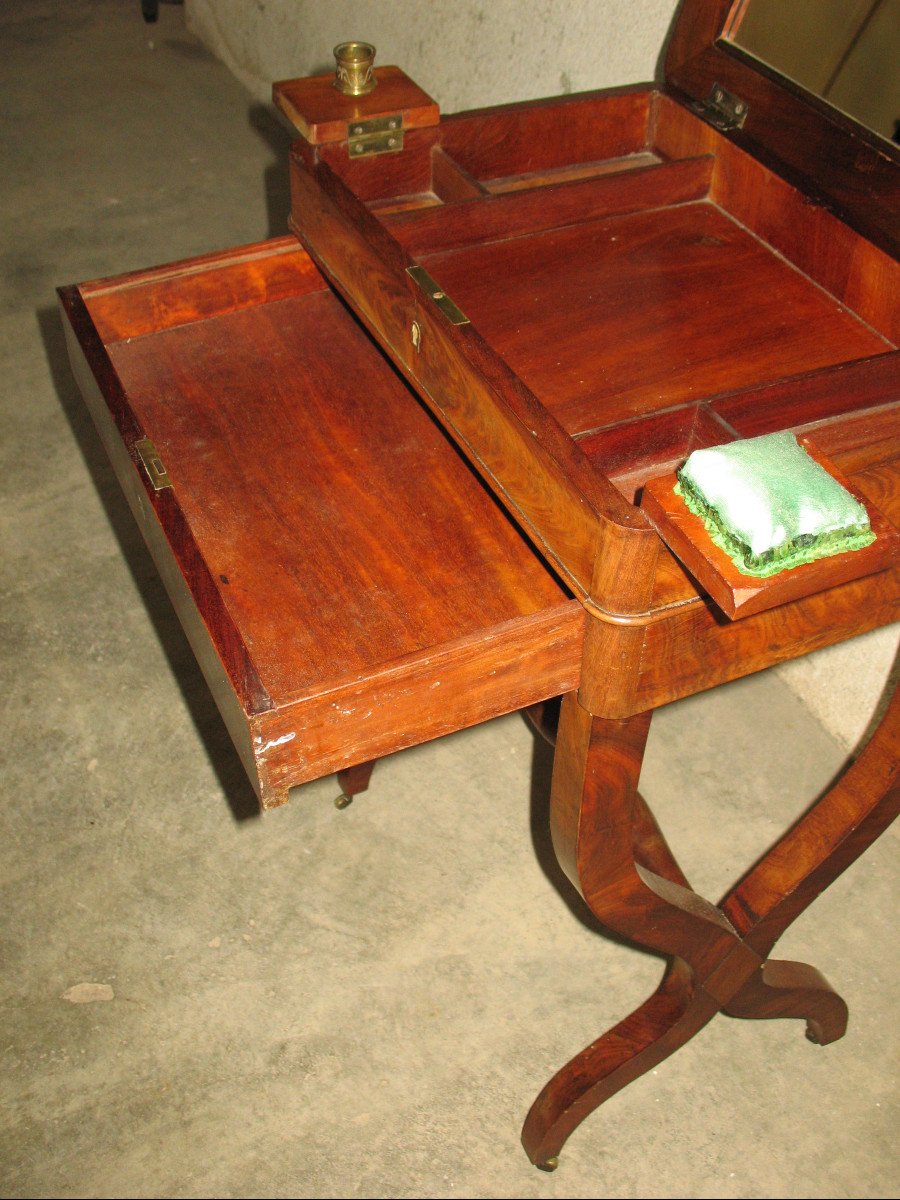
(549, 1164)
(343, 800)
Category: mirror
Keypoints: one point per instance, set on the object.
(845, 51)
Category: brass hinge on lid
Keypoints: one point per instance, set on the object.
(722, 109)
(440, 298)
(152, 464)
(381, 135)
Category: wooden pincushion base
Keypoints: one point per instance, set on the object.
(739, 595)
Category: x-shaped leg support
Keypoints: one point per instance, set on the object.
(612, 850)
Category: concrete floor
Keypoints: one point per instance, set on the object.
(320, 1003)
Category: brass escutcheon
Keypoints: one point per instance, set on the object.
(353, 73)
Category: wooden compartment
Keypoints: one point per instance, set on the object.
(631, 280)
(347, 583)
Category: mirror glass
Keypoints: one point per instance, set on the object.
(845, 51)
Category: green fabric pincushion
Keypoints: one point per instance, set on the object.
(770, 506)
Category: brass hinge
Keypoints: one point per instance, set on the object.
(722, 109)
(433, 291)
(381, 135)
(152, 464)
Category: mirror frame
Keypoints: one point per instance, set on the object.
(838, 163)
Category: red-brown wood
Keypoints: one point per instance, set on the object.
(143, 302)
(552, 205)
(637, 284)
(645, 284)
(739, 594)
(682, 284)
(719, 954)
(829, 156)
(322, 114)
(354, 780)
(858, 272)
(318, 610)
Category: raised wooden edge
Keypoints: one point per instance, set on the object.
(321, 113)
(824, 395)
(740, 595)
(832, 159)
(217, 645)
(164, 297)
(421, 696)
(489, 217)
(499, 670)
(530, 462)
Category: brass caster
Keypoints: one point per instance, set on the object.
(549, 1164)
(343, 800)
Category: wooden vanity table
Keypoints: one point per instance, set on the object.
(381, 528)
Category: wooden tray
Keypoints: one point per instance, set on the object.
(739, 595)
(348, 585)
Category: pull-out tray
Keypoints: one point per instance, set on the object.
(347, 583)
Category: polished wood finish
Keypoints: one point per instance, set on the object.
(620, 864)
(321, 113)
(739, 594)
(333, 627)
(679, 279)
(638, 283)
(832, 160)
(635, 283)
(682, 283)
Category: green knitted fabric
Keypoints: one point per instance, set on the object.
(770, 506)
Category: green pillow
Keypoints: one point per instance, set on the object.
(770, 506)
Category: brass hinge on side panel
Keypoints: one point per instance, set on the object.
(381, 135)
(722, 108)
(152, 464)
(433, 291)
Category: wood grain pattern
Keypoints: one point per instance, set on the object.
(451, 182)
(697, 647)
(529, 180)
(527, 458)
(676, 293)
(619, 862)
(306, 587)
(739, 594)
(321, 113)
(831, 158)
(635, 280)
(443, 688)
(379, 178)
(211, 285)
(802, 401)
(552, 206)
(862, 274)
(541, 135)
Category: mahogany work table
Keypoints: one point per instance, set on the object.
(581, 292)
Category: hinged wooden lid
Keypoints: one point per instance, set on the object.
(832, 158)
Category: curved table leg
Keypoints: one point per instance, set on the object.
(665, 1021)
(611, 849)
(791, 989)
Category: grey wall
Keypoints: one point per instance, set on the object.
(470, 53)
(465, 53)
